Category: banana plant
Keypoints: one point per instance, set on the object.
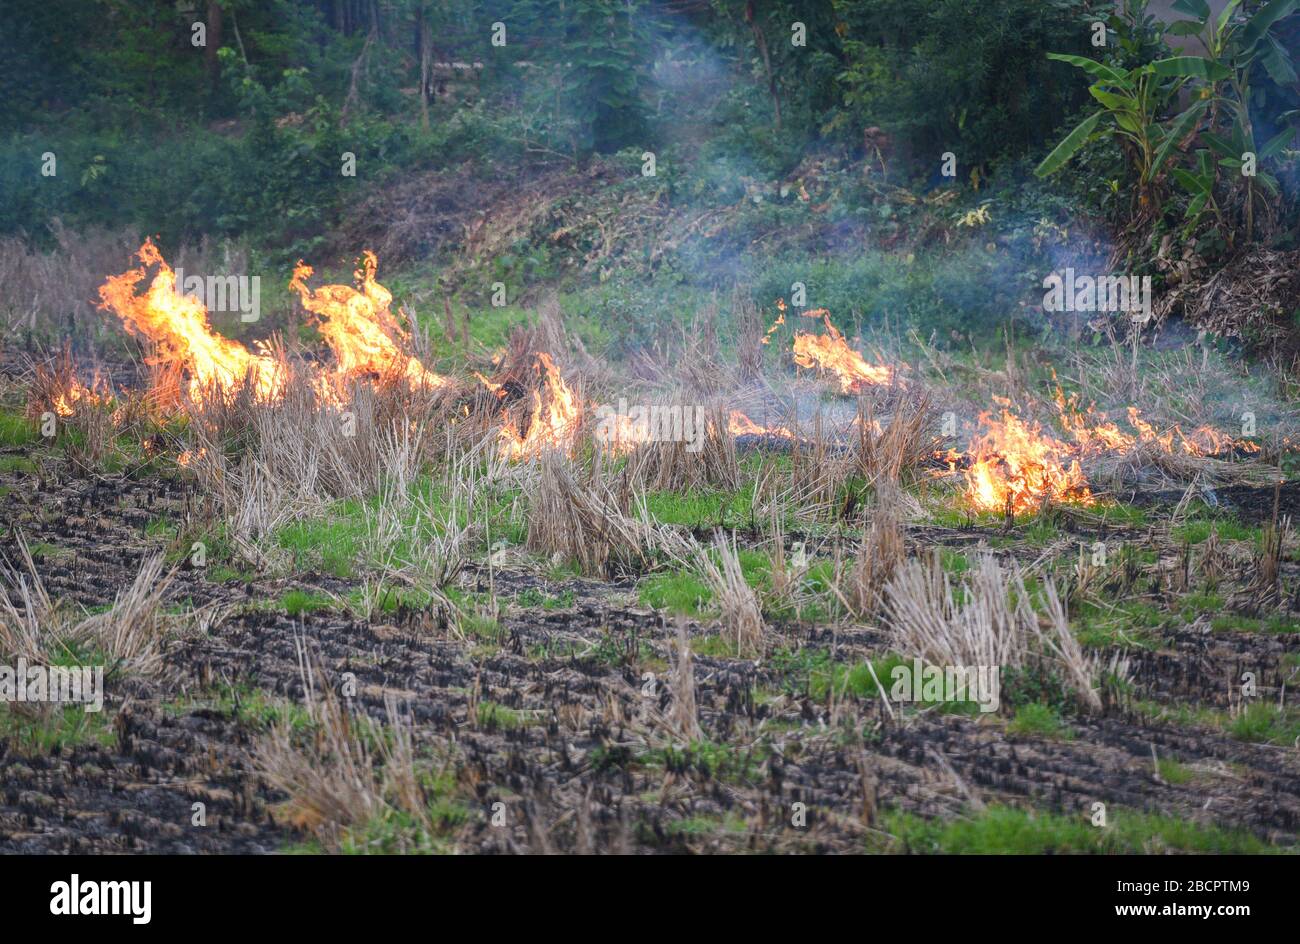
(1239, 43)
(1199, 184)
(1132, 102)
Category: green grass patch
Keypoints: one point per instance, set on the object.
(533, 597)
(298, 602)
(16, 429)
(333, 544)
(699, 509)
(45, 729)
(18, 464)
(1234, 623)
(1174, 772)
(1039, 720)
(680, 592)
(709, 825)
(1105, 623)
(493, 715)
(1001, 830)
(1265, 723)
(1198, 530)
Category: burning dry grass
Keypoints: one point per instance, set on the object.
(361, 331)
(989, 620)
(177, 326)
(830, 352)
(275, 435)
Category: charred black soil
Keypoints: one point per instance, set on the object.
(550, 723)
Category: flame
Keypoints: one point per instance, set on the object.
(178, 326)
(738, 424)
(780, 320)
(65, 403)
(360, 329)
(1014, 466)
(830, 352)
(1093, 431)
(553, 420)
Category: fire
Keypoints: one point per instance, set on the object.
(738, 424)
(1093, 431)
(780, 320)
(1014, 466)
(178, 326)
(553, 420)
(366, 339)
(831, 352)
(77, 394)
(360, 329)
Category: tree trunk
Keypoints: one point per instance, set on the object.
(210, 59)
(423, 41)
(761, 42)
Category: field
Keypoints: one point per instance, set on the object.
(651, 426)
(352, 605)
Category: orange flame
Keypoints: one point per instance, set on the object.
(831, 352)
(359, 328)
(178, 326)
(1015, 466)
(1094, 432)
(77, 394)
(738, 424)
(553, 421)
(780, 320)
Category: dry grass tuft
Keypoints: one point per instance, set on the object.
(30, 623)
(860, 585)
(131, 632)
(330, 779)
(685, 716)
(128, 636)
(345, 772)
(581, 516)
(893, 451)
(265, 464)
(989, 621)
(741, 614)
(672, 466)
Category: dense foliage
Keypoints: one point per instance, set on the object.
(820, 129)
